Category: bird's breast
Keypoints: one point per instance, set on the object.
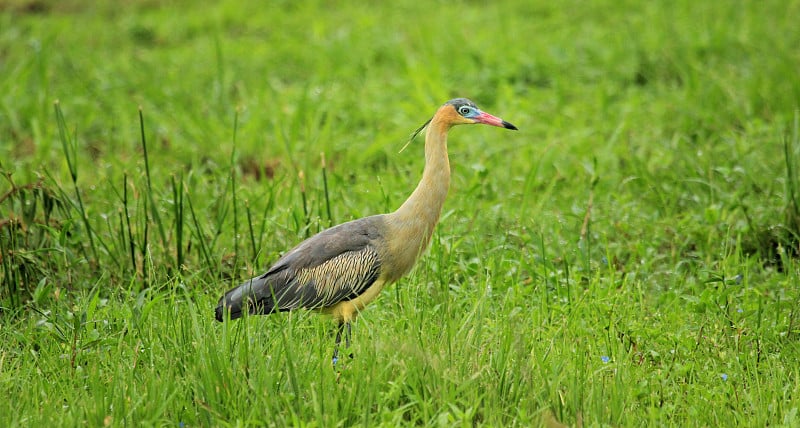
(407, 241)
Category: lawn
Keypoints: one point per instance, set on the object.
(629, 257)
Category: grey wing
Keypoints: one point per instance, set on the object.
(337, 264)
(343, 277)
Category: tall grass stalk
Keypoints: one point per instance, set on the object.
(128, 228)
(177, 198)
(69, 146)
(325, 189)
(156, 216)
(232, 178)
(144, 239)
(301, 180)
(251, 231)
(199, 234)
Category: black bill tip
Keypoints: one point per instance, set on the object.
(508, 125)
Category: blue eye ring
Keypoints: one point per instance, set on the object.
(466, 111)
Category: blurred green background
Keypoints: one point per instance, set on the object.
(155, 153)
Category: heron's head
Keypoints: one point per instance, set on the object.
(460, 111)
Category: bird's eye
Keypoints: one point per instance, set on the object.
(464, 110)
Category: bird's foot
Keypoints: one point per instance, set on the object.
(335, 359)
(337, 367)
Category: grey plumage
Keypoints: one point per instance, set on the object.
(337, 264)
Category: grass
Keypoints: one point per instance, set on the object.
(629, 258)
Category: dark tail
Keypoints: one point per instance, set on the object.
(253, 296)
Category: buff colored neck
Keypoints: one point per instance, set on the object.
(425, 203)
(409, 229)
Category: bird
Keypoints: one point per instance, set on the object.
(342, 269)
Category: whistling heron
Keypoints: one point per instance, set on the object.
(342, 269)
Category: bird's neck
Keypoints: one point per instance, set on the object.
(419, 214)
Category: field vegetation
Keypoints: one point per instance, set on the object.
(628, 258)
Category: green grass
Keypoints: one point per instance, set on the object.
(628, 258)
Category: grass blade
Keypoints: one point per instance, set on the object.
(69, 146)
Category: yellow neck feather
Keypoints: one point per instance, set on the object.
(426, 202)
(409, 229)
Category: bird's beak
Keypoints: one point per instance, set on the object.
(488, 119)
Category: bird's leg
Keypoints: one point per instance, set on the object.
(335, 358)
(347, 338)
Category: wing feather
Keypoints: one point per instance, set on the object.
(343, 277)
(337, 264)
